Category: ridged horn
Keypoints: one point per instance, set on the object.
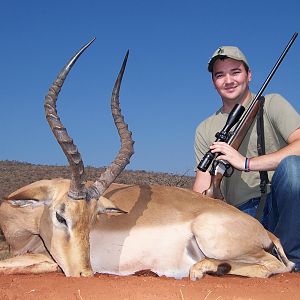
(77, 190)
(126, 150)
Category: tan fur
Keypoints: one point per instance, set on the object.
(170, 231)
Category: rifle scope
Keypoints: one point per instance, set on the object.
(222, 136)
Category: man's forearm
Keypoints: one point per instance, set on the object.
(269, 162)
(202, 182)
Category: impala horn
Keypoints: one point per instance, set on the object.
(77, 189)
(126, 151)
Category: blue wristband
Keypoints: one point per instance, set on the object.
(247, 164)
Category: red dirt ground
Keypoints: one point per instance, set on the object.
(57, 286)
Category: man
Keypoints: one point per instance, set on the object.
(231, 76)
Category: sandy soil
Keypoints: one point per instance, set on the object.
(57, 286)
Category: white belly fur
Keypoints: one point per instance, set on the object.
(122, 250)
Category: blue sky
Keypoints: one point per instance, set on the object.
(166, 90)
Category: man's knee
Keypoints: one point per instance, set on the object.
(290, 164)
(288, 172)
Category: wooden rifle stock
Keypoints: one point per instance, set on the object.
(241, 131)
(214, 190)
(237, 136)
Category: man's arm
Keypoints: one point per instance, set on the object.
(265, 162)
(271, 161)
(202, 181)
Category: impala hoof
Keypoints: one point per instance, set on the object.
(195, 274)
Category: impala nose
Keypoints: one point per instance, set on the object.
(86, 273)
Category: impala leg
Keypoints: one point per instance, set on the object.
(219, 268)
(263, 267)
(31, 263)
(280, 252)
(198, 270)
(208, 265)
(4, 249)
(250, 270)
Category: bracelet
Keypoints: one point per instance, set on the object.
(247, 164)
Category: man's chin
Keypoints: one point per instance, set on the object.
(231, 97)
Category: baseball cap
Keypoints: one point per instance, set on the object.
(227, 51)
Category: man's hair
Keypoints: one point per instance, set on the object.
(225, 57)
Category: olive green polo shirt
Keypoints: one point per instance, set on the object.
(280, 120)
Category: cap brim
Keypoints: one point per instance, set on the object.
(212, 61)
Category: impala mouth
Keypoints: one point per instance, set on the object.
(87, 273)
(82, 273)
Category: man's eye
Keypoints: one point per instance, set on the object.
(218, 76)
(61, 219)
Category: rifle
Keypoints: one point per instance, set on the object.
(243, 120)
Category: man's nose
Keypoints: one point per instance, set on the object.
(228, 78)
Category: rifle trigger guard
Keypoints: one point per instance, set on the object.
(228, 169)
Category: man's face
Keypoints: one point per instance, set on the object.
(231, 79)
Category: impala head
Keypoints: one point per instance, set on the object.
(66, 209)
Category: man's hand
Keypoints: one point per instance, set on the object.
(229, 154)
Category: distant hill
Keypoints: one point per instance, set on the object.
(14, 174)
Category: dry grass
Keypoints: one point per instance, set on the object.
(14, 174)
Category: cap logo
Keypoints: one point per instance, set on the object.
(220, 50)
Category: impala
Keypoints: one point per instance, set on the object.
(84, 227)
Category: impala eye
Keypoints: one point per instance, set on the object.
(61, 219)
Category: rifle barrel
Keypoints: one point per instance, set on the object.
(280, 59)
(274, 69)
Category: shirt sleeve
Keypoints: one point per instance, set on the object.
(282, 115)
(201, 145)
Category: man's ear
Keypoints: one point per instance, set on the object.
(249, 75)
(105, 206)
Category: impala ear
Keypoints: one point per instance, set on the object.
(34, 194)
(105, 206)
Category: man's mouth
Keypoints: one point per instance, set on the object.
(230, 89)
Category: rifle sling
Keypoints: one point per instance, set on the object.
(264, 180)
